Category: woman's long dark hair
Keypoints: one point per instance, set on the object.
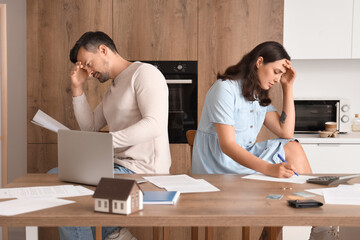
(246, 70)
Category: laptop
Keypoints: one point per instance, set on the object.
(85, 157)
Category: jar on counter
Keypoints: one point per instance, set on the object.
(356, 123)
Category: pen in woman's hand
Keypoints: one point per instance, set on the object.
(283, 159)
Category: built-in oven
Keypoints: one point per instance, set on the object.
(181, 77)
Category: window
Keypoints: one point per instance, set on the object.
(99, 203)
(105, 204)
(122, 205)
(115, 205)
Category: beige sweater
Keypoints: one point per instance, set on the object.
(135, 108)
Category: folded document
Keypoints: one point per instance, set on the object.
(43, 120)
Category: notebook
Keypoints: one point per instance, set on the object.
(85, 157)
(160, 197)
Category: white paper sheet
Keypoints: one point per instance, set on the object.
(45, 191)
(319, 191)
(294, 179)
(182, 183)
(44, 120)
(19, 206)
(200, 186)
(342, 195)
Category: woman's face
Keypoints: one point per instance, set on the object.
(269, 73)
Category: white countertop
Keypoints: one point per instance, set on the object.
(351, 137)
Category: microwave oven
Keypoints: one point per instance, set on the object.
(312, 113)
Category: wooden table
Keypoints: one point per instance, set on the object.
(240, 202)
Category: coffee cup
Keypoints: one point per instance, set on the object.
(330, 126)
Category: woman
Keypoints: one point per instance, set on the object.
(237, 106)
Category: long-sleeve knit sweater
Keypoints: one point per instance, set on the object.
(135, 108)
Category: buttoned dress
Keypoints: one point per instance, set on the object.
(225, 104)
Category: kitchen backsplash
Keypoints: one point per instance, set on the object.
(329, 78)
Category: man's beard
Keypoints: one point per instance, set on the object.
(103, 77)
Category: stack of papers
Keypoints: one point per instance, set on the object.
(161, 197)
(342, 194)
(182, 183)
(36, 198)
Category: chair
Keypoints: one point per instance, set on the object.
(209, 232)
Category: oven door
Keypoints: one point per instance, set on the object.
(311, 115)
(182, 106)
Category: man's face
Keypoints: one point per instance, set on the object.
(94, 63)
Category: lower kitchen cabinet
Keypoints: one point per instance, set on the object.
(333, 158)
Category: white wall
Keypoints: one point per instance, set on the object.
(17, 93)
(329, 78)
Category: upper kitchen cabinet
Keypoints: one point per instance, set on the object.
(155, 30)
(322, 29)
(356, 30)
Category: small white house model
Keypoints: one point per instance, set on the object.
(120, 196)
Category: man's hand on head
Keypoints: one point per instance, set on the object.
(78, 77)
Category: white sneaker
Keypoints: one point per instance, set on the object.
(123, 234)
(324, 233)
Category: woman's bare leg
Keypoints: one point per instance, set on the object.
(295, 155)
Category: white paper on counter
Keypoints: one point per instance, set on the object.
(19, 206)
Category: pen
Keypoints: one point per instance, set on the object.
(283, 159)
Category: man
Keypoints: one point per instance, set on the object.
(135, 108)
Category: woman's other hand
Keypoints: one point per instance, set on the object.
(289, 76)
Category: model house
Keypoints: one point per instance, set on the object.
(120, 196)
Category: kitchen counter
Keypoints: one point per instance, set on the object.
(348, 138)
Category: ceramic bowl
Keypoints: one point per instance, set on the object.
(326, 134)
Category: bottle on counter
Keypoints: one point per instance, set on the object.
(356, 123)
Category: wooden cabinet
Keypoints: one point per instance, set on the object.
(215, 33)
(53, 27)
(321, 29)
(156, 30)
(228, 30)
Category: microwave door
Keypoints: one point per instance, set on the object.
(310, 116)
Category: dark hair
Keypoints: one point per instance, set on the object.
(246, 70)
(90, 41)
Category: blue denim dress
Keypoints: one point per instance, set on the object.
(225, 104)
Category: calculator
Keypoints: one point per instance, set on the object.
(331, 180)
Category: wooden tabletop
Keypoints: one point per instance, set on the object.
(241, 202)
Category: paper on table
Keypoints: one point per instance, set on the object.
(182, 183)
(200, 186)
(293, 179)
(45, 191)
(342, 195)
(319, 191)
(44, 120)
(171, 180)
(19, 206)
